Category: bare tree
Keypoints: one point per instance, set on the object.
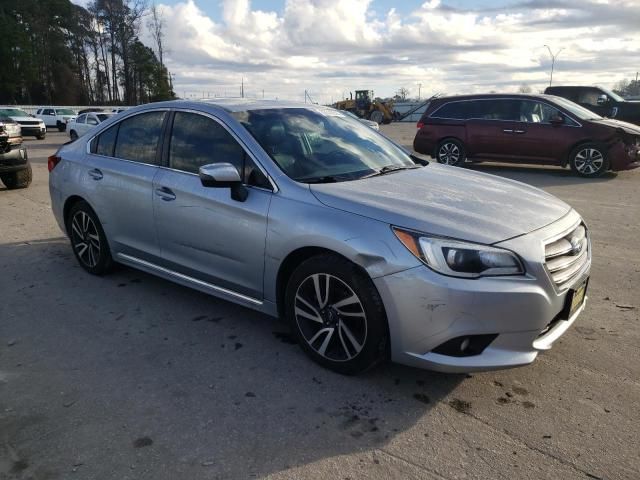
(524, 88)
(403, 93)
(156, 26)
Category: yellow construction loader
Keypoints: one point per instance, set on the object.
(366, 106)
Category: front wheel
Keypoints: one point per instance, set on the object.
(73, 135)
(377, 116)
(336, 314)
(41, 136)
(451, 152)
(20, 179)
(88, 239)
(589, 160)
(61, 126)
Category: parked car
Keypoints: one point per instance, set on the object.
(526, 129)
(368, 123)
(600, 100)
(85, 122)
(55, 117)
(30, 126)
(297, 212)
(15, 170)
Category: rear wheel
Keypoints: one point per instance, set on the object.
(73, 135)
(451, 152)
(88, 239)
(336, 314)
(589, 160)
(19, 179)
(61, 126)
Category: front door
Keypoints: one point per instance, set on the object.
(203, 232)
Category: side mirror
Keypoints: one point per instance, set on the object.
(602, 99)
(223, 175)
(556, 119)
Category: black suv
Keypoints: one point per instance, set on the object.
(15, 170)
(601, 101)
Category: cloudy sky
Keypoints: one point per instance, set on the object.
(330, 47)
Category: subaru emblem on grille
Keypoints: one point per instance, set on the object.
(576, 246)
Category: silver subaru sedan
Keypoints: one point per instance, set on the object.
(304, 213)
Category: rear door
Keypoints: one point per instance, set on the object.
(490, 128)
(203, 232)
(119, 176)
(49, 117)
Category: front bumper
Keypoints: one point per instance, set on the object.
(14, 160)
(624, 157)
(426, 309)
(33, 130)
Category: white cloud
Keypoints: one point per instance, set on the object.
(333, 46)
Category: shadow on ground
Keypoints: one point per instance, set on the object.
(130, 376)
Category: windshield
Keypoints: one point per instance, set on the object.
(102, 116)
(613, 95)
(322, 144)
(580, 112)
(13, 112)
(65, 111)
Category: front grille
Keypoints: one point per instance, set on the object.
(567, 257)
(29, 122)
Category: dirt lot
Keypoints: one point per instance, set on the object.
(132, 377)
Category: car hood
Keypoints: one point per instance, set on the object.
(25, 119)
(629, 128)
(447, 201)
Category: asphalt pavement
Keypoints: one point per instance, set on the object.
(132, 377)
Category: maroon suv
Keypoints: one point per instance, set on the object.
(526, 129)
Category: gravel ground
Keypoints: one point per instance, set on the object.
(132, 377)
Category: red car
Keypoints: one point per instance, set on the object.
(526, 129)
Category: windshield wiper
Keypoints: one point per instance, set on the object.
(323, 179)
(390, 169)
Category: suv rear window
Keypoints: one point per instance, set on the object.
(452, 110)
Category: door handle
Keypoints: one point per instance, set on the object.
(165, 194)
(507, 130)
(96, 174)
(519, 131)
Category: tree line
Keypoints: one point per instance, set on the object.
(53, 52)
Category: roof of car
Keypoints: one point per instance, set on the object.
(532, 96)
(233, 104)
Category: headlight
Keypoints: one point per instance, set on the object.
(460, 259)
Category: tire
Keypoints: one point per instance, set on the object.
(88, 241)
(376, 116)
(61, 126)
(589, 160)
(451, 151)
(41, 136)
(19, 179)
(73, 135)
(347, 338)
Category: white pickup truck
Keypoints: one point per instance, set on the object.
(54, 117)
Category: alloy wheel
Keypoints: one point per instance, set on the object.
(449, 153)
(330, 317)
(588, 161)
(85, 239)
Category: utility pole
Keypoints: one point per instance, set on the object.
(263, 93)
(419, 88)
(553, 61)
(242, 88)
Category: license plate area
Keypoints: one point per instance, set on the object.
(574, 300)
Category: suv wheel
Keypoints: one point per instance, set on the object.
(336, 314)
(61, 126)
(41, 136)
(589, 160)
(73, 135)
(19, 179)
(88, 239)
(451, 152)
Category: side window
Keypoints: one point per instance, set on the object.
(197, 140)
(502, 109)
(104, 143)
(81, 118)
(589, 96)
(48, 111)
(452, 110)
(91, 120)
(138, 137)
